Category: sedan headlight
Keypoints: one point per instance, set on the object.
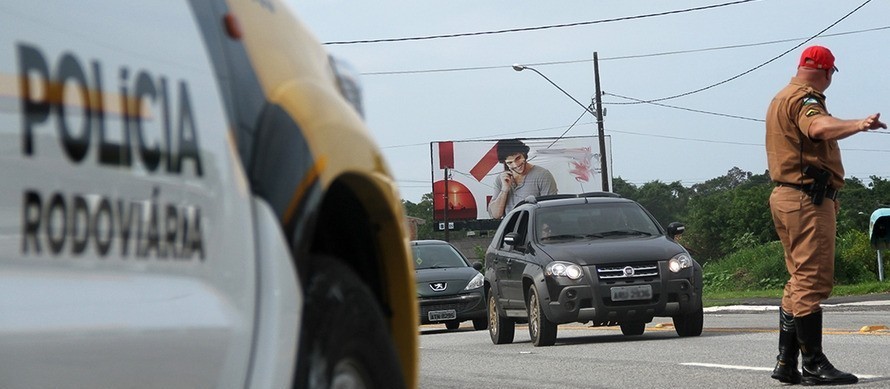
(476, 282)
(679, 262)
(564, 269)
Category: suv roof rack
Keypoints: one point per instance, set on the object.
(536, 199)
(599, 194)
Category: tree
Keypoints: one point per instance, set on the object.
(423, 210)
(733, 178)
(667, 202)
(624, 188)
(728, 213)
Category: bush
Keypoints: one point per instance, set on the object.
(757, 267)
(763, 266)
(855, 260)
(480, 253)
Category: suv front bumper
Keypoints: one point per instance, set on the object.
(590, 298)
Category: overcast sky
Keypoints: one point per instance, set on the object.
(423, 90)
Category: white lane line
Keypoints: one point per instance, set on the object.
(756, 368)
(734, 367)
(726, 308)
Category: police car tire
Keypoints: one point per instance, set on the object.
(344, 335)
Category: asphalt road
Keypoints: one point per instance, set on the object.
(736, 350)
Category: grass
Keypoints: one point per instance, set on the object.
(711, 299)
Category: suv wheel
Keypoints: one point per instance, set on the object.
(501, 329)
(633, 329)
(480, 324)
(690, 324)
(452, 325)
(541, 329)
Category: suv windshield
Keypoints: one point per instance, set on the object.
(436, 256)
(593, 221)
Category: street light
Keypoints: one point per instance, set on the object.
(598, 115)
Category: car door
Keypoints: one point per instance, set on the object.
(126, 243)
(515, 262)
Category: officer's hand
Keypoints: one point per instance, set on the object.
(873, 122)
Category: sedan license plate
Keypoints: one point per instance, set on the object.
(635, 292)
(448, 314)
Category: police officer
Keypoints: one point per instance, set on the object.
(805, 163)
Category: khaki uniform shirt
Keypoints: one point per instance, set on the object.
(789, 147)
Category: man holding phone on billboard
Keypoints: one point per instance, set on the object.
(519, 180)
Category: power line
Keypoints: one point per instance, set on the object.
(754, 68)
(545, 27)
(617, 58)
(684, 109)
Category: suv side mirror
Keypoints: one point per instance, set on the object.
(513, 239)
(477, 265)
(676, 228)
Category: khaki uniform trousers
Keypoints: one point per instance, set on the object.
(807, 232)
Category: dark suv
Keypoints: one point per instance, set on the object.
(593, 257)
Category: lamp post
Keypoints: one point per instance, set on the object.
(598, 115)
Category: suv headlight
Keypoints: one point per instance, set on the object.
(476, 282)
(564, 269)
(679, 262)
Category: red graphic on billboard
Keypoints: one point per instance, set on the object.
(461, 203)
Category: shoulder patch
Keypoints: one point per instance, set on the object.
(812, 112)
(809, 101)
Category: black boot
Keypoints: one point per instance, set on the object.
(786, 362)
(817, 370)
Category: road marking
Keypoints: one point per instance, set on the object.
(756, 368)
(873, 328)
(733, 367)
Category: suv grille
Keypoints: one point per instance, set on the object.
(627, 272)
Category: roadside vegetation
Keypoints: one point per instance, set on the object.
(729, 230)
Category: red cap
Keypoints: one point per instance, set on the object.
(820, 57)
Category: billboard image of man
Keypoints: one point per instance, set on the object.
(519, 179)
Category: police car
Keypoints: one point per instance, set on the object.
(190, 198)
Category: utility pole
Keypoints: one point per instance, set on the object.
(445, 208)
(599, 123)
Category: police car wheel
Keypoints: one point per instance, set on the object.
(344, 340)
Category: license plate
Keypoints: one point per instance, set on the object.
(635, 292)
(448, 314)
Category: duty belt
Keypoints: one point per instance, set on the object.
(830, 193)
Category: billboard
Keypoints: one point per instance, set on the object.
(474, 168)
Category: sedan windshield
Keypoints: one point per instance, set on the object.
(437, 256)
(594, 221)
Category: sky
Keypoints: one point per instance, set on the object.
(726, 61)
